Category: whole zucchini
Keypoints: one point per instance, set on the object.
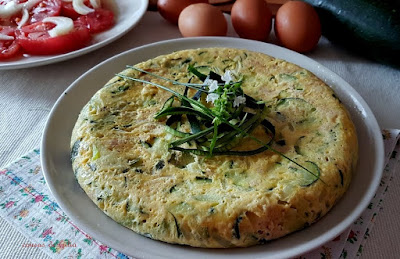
(369, 27)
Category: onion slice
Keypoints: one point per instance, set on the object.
(81, 8)
(95, 3)
(6, 37)
(9, 9)
(63, 25)
(24, 18)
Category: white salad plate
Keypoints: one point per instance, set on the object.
(55, 157)
(127, 14)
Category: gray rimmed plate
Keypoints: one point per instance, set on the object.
(55, 157)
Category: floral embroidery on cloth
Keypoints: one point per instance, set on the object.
(27, 204)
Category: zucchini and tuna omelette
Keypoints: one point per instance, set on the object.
(214, 147)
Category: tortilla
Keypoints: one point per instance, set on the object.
(122, 160)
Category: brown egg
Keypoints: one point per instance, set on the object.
(297, 26)
(202, 20)
(251, 19)
(170, 9)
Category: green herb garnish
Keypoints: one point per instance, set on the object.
(216, 128)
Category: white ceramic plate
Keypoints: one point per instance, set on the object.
(128, 13)
(84, 213)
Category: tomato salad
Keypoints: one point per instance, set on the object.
(49, 27)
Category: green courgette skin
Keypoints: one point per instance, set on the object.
(369, 27)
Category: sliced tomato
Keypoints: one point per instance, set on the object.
(98, 21)
(68, 10)
(45, 9)
(35, 39)
(41, 10)
(8, 48)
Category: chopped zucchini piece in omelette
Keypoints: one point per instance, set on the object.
(214, 147)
